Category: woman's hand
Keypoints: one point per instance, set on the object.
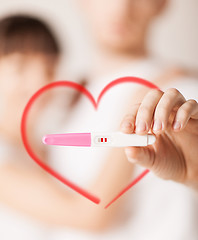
(174, 121)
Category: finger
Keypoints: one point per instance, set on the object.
(171, 98)
(146, 111)
(195, 112)
(184, 113)
(144, 156)
(128, 123)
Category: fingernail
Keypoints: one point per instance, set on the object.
(177, 125)
(157, 125)
(126, 124)
(141, 126)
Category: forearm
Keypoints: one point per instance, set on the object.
(37, 195)
(34, 193)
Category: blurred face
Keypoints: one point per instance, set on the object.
(20, 77)
(121, 24)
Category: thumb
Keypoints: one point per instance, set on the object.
(144, 156)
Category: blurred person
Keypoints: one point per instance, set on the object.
(29, 55)
(147, 212)
(32, 203)
(154, 209)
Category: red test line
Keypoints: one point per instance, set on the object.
(136, 180)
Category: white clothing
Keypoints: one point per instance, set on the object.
(156, 209)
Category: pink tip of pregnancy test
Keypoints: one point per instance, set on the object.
(68, 139)
(46, 140)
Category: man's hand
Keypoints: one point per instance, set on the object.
(174, 121)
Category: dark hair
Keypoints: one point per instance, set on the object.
(25, 34)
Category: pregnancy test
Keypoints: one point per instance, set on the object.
(99, 139)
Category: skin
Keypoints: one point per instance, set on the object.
(120, 25)
(17, 72)
(174, 121)
(119, 29)
(55, 205)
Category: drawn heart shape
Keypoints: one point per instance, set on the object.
(95, 103)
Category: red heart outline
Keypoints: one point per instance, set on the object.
(95, 104)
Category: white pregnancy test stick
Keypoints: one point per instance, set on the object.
(99, 139)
